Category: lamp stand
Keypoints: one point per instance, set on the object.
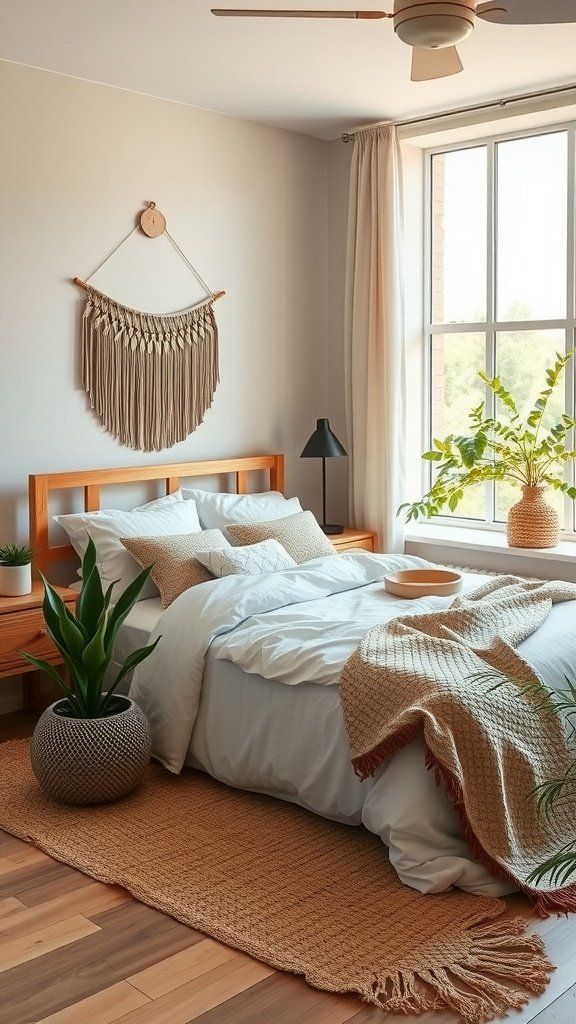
(329, 528)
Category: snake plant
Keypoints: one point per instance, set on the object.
(86, 641)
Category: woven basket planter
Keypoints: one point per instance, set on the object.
(532, 522)
(90, 760)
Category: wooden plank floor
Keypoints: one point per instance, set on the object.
(74, 951)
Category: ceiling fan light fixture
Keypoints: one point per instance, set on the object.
(432, 25)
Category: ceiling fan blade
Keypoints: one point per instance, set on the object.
(222, 12)
(528, 12)
(437, 63)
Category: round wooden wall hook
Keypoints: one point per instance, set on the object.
(152, 222)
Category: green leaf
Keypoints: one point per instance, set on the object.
(131, 662)
(45, 666)
(90, 603)
(471, 448)
(89, 560)
(95, 654)
(124, 605)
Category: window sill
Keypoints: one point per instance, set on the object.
(488, 550)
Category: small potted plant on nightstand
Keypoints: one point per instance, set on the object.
(93, 745)
(15, 570)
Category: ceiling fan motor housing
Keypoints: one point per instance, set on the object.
(433, 25)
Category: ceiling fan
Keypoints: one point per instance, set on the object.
(433, 29)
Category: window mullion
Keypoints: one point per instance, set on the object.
(490, 353)
(570, 382)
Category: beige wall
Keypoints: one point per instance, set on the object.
(246, 203)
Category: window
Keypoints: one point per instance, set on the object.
(501, 295)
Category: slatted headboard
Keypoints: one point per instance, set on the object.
(91, 480)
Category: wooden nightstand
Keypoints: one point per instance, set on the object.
(350, 539)
(22, 628)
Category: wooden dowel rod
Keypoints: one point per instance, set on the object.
(82, 284)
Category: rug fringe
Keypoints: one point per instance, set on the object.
(478, 986)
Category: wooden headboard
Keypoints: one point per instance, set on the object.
(91, 480)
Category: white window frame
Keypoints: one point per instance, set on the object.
(491, 327)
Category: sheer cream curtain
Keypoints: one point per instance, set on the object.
(374, 339)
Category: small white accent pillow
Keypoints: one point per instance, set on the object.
(253, 560)
(113, 560)
(217, 511)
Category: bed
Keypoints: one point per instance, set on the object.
(243, 684)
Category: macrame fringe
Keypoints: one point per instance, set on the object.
(545, 902)
(150, 379)
(501, 970)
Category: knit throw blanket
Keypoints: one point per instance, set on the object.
(490, 746)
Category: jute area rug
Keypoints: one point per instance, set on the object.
(291, 889)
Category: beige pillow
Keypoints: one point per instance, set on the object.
(175, 566)
(300, 534)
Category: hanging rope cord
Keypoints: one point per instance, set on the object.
(187, 262)
(177, 248)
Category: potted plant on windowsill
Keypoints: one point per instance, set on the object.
(525, 451)
(93, 745)
(15, 570)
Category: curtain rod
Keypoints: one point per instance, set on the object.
(350, 136)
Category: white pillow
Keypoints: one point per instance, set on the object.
(75, 523)
(217, 511)
(253, 560)
(113, 560)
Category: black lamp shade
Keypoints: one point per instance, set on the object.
(322, 444)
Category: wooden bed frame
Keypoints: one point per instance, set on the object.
(91, 480)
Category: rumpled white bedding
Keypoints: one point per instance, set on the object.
(269, 720)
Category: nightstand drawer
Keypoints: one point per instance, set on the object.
(367, 543)
(351, 538)
(24, 631)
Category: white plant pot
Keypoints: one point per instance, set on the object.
(15, 580)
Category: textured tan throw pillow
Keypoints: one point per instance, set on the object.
(300, 534)
(175, 566)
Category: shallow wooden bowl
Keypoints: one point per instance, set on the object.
(423, 582)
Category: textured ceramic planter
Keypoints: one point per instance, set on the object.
(15, 580)
(90, 760)
(532, 522)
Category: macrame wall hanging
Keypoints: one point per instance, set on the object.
(149, 379)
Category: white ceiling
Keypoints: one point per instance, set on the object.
(318, 77)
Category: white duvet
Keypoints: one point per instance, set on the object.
(276, 726)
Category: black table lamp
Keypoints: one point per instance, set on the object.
(323, 444)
